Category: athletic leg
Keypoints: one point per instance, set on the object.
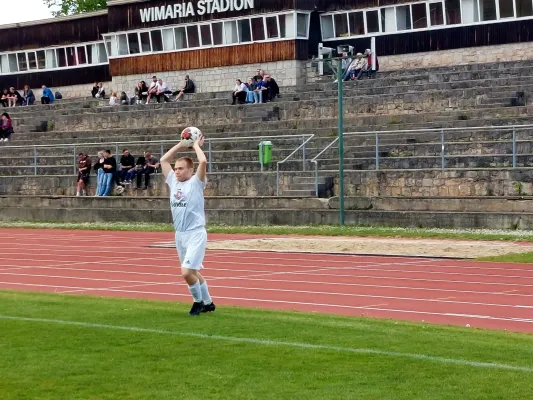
(188, 274)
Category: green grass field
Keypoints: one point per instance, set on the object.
(67, 347)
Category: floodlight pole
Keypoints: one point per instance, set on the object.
(340, 134)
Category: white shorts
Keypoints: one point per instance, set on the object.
(191, 248)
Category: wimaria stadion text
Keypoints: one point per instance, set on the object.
(182, 10)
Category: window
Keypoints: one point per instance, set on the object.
(109, 46)
(436, 15)
(286, 25)
(341, 25)
(470, 11)
(506, 9)
(133, 43)
(4, 63)
(180, 37)
(168, 39)
(420, 19)
(258, 29)
(205, 34)
(218, 33)
(403, 18)
(91, 53)
(32, 60)
(230, 32)
(13, 63)
(23, 64)
(524, 8)
(487, 9)
(388, 20)
(327, 26)
(51, 59)
(301, 24)
(192, 35)
(453, 12)
(272, 27)
(282, 26)
(157, 40)
(245, 34)
(357, 23)
(82, 58)
(41, 59)
(372, 21)
(122, 41)
(102, 55)
(146, 47)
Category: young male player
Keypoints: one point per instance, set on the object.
(188, 215)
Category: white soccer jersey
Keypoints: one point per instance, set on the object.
(187, 203)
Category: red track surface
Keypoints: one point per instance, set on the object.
(488, 295)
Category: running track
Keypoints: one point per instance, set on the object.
(121, 264)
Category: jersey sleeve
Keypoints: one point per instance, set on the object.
(198, 183)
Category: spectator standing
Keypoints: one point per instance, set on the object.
(150, 167)
(6, 127)
(98, 168)
(110, 168)
(239, 92)
(127, 162)
(84, 170)
(152, 89)
(141, 92)
(29, 97)
(47, 96)
(187, 88)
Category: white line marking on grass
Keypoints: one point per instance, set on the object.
(267, 342)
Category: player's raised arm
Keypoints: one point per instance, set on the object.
(202, 160)
(169, 156)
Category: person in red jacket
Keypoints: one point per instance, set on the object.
(6, 127)
(371, 73)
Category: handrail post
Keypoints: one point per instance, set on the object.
(35, 160)
(261, 155)
(514, 147)
(116, 149)
(75, 161)
(377, 151)
(303, 153)
(442, 150)
(209, 157)
(162, 150)
(316, 178)
(277, 179)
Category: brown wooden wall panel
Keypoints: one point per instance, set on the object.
(205, 58)
(127, 16)
(53, 34)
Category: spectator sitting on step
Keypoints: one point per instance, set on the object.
(99, 169)
(259, 89)
(113, 100)
(101, 91)
(162, 91)
(152, 89)
(132, 173)
(19, 100)
(260, 74)
(358, 67)
(124, 100)
(239, 92)
(6, 127)
(368, 70)
(272, 89)
(110, 168)
(84, 170)
(127, 162)
(187, 88)
(29, 97)
(151, 166)
(141, 92)
(4, 99)
(250, 95)
(47, 96)
(95, 90)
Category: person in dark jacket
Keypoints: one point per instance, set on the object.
(84, 170)
(127, 162)
(272, 89)
(139, 167)
(29, 97)
(110, 169)
(187, 88)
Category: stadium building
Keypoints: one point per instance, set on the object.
(216, 41)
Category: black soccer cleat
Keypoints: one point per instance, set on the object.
(196, 308)
(209, 307)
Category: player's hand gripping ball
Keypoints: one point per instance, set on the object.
(190, 135)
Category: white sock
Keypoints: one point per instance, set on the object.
(206, 298)
(196, 292)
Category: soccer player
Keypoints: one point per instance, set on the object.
(188, 215)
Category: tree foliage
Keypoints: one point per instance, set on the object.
(67, 7)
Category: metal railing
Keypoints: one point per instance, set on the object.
(302, 147)
(211, 145)
(512, 130)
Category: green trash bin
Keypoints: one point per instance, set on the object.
(265, 152)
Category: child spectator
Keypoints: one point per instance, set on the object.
(187, 88)
(84, 169)
(113, 100)
(141, 92)
(152, 90)
(250, 98)
(239, 92)
(48, 96)
(98, 168)
(29, 97)
(6, 127)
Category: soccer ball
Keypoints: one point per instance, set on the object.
(190, 135)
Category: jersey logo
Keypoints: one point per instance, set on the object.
(178, 195)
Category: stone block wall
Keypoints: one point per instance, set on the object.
(74, 91)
